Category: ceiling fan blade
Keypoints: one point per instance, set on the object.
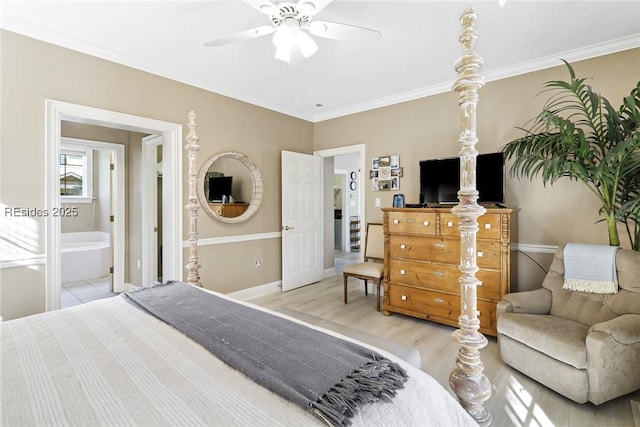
(311, 7)
(264, 6)
(334, 30)
(242, 35)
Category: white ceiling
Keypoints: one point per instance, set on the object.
(413, 59)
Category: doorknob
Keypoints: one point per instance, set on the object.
(286, 227)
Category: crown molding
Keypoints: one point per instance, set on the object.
(587, 52)
(15, 24)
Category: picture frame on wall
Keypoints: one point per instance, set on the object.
(385, 173)
(384, 184)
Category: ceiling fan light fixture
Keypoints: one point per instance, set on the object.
(290, 37)
(307, 46)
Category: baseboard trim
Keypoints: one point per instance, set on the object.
(257, 291)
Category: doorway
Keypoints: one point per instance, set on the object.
(56, 112)
(152, 176)
(91, 207)
(348, 164)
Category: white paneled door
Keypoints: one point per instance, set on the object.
(301, 220)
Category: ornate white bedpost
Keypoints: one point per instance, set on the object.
(192, 147)
(468, 380)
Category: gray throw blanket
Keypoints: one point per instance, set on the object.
(324, 374)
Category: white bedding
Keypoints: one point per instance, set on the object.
(110, 363)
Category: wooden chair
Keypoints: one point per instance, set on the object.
(372, 269)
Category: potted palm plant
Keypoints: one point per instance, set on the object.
(579, 135)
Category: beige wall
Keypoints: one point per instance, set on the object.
(33, 71)
(429, 128)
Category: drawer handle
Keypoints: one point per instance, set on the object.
(403, 246)
(439, 245)
(403, 272)
(404, 297)
(439, 273)
(450, 224)
(396, 221)
(480, 254)
(439, 300)
(411, 220)
(426, 223)
(487, 226)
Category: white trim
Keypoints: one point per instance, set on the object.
(328, 272)
(55, 112)
(209, 241)
(256, 291)
(581, 54)
(23, 262)
(350, 149)
(19, 25)
(541, 249)
(149, 207)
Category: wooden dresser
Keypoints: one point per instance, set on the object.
(422, 254)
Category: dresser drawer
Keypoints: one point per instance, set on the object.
(442, 250)
(425, 304)
(489, 225)
(422, 223)
(443, 277)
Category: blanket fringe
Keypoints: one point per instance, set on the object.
(377, 380)
(592, 286)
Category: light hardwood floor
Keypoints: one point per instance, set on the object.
(516, 400)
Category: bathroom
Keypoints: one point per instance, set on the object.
(86, 235)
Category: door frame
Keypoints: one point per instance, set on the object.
(350, 149)
(55, 113)
(150, 208)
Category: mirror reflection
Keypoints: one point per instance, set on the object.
(230, 187)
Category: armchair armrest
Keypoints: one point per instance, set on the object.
(623, 329)
(537, 301)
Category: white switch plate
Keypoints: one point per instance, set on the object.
(377, 202)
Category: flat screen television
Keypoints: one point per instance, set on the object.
(440, 179)
(219, 186)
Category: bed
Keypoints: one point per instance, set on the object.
(123, 361)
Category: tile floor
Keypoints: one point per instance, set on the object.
(75, 293)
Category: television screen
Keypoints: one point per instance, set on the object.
(219, 186)
(440, 179)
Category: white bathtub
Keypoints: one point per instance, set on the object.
(85, 256)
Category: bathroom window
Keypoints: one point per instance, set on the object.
(75, 174)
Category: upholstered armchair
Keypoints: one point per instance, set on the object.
(585, 346)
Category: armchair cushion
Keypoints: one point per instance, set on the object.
(534, 302)
(558, 338)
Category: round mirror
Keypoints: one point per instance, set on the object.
(230, 187)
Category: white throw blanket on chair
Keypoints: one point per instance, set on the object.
(590, 268)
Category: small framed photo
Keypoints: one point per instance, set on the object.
(384, 161)
(374, 184)
(395, 183)
(398, 200)
(373, 174)
(375, 163)
(397, 172)
(394, 161)
(384, 184)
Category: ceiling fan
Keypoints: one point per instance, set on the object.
(291, 24)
